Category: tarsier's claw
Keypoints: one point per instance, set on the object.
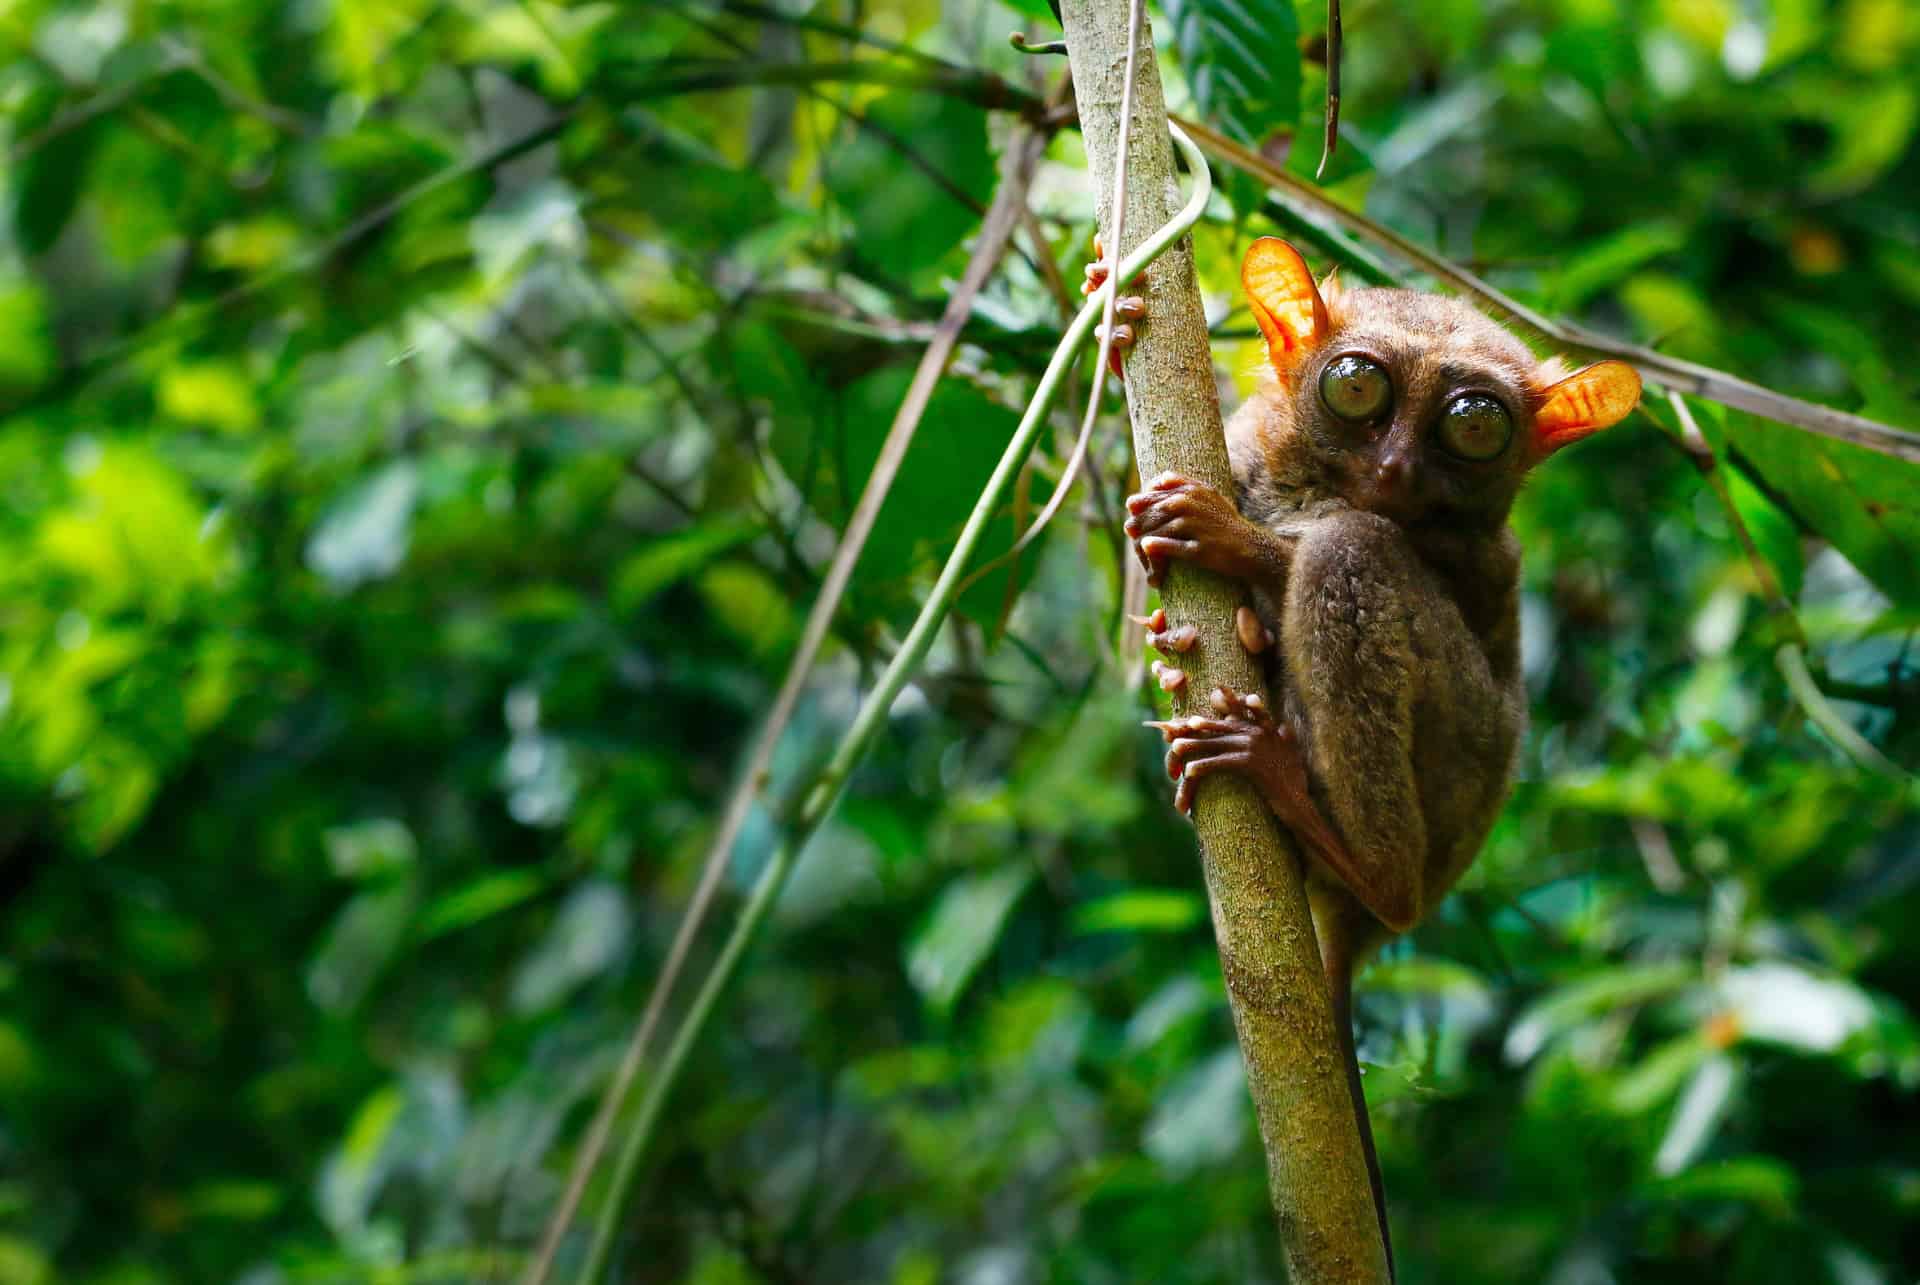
(1169, 678)
(1253, 635)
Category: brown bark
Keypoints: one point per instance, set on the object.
(1295, 1072)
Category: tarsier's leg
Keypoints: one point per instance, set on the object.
(1349, 655)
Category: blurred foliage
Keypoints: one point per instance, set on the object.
(422, 427)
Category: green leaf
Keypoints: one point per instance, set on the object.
(1865, 503)
(213, 393)
(48, 182)
(1872, 129)
(1751, 1180)
(236, 1200)
(1774, 534)
(374, 848)
(480, 899)
(1591, 997)
(954, 451)
(1610, 260)
(962, 929)
(1242, 59)
(905, 222)
(1201, 1118)
(1143, 910)
(26, 348)
(665, 560)
(365, 533)
(363, 938)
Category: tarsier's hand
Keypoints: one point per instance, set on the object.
(1178, 518)
(1175, 641)
(1128, 308)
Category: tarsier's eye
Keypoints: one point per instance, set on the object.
(1475, 427)
(1356, 387)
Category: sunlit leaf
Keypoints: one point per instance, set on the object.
(663, 561)
(364, 535)
(586, 936)
(1146, 910)
(481, 899)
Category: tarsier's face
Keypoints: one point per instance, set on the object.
(1419, 408)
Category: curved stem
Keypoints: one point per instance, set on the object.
(995, 232)
(820, 799)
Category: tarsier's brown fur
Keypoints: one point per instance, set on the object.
(1382, 562)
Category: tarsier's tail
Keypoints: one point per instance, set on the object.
(1340, 983)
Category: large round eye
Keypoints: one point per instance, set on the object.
(1475, 427)
(1356, 388)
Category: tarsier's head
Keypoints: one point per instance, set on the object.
(1416, 406)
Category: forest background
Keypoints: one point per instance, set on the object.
(425, 423)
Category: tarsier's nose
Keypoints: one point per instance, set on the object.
(1393, 475)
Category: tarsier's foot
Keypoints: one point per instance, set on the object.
(1179, 518)
(1173, 642)
(1244, 737)
(1127, 309)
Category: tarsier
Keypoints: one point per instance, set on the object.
(1373, 478)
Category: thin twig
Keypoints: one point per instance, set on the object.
(1334, 41)
(640, 81)
(992, 243)
(819, 798)
(1109, 296)
(365, 225)
(1670, 372)
(828, 27)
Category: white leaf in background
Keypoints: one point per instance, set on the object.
(1698, 1113)
(1783, 1004)
(364, 534)
(1202, 1116)
(585, 938)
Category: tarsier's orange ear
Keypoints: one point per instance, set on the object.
(1588, 400)
(1285, 301)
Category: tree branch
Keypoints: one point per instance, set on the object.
(1316, 1172)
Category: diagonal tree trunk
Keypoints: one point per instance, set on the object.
(1315, 1169)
